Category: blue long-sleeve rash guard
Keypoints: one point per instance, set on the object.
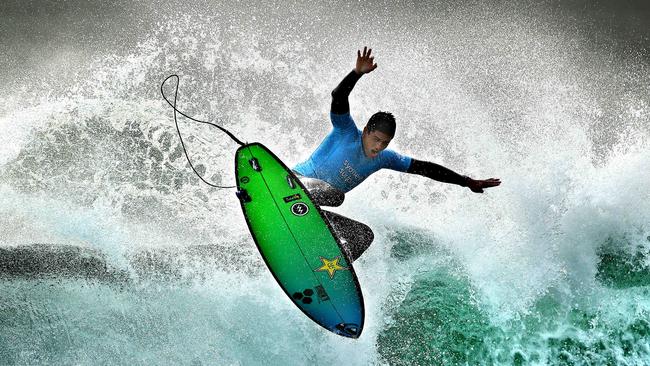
(340, 160)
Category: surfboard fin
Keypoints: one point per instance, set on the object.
(348, 330)
(243, 196)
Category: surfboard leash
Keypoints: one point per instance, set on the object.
(173, 105)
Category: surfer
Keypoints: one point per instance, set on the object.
(347, 156)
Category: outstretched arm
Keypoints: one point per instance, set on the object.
(442, 174)
(364, 65)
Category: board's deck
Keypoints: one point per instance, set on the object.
(297, 243)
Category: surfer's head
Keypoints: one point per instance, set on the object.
(377, 134)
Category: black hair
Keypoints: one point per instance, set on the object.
(382, 122)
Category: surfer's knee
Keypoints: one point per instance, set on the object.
(324, 193)
(368, 235)
(333, 196)
(336, 197)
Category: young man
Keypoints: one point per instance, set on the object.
(347, 156)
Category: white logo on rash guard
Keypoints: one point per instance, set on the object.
(350, 175)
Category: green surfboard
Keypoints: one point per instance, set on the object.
(297, 242)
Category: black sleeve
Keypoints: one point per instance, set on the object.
(340, 104)
(436, 172)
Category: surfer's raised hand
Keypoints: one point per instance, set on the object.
(477, 186)
(364, 62)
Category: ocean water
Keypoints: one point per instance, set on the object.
(112, 252)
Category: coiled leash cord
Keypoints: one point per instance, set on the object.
(173, 105)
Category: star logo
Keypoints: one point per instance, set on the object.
(330, 266)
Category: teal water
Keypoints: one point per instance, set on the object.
(70, 310)
(113, 253)
(445, 324)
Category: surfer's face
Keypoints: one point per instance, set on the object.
(374, 142)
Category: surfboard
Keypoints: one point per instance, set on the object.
(297, 242)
